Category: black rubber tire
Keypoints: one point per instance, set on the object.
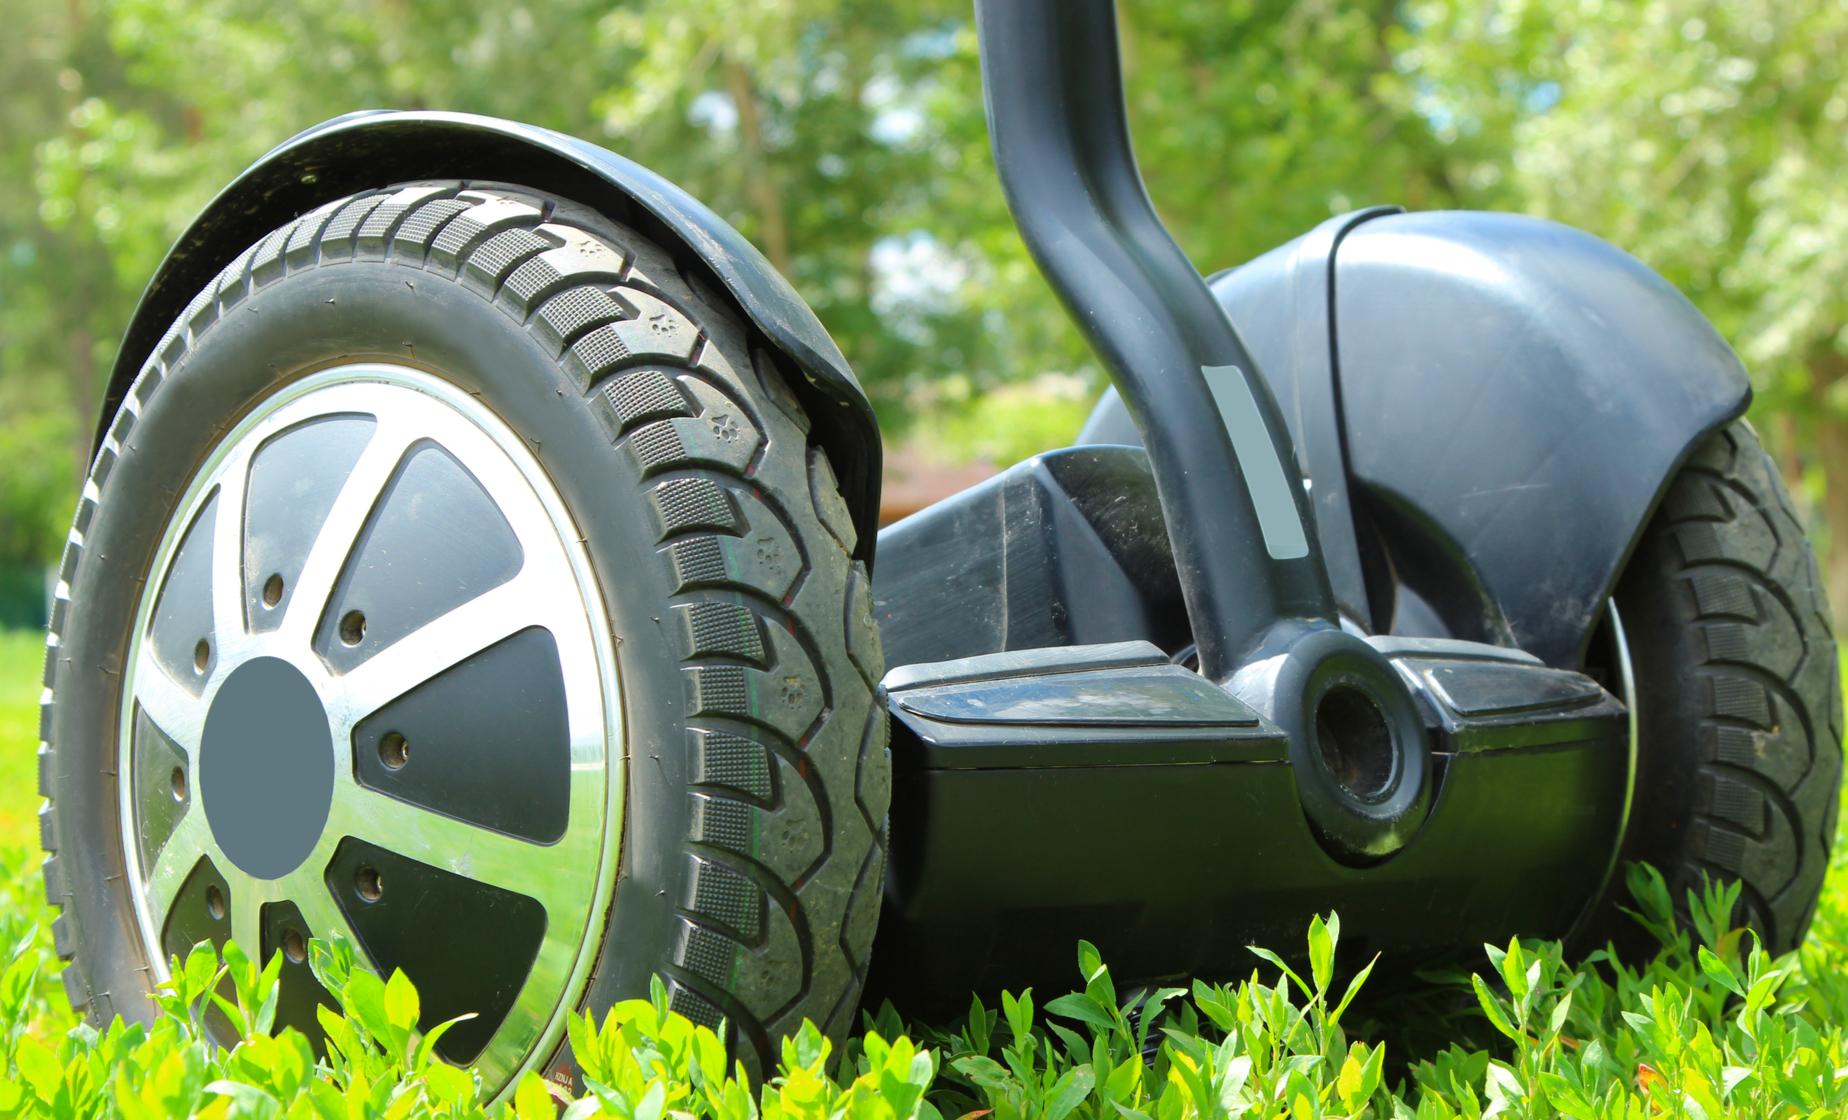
(1739, 737)
(753, 856)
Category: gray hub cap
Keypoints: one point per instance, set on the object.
(365, 698)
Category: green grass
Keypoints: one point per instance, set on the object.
(22, 656)
(1711, 1027)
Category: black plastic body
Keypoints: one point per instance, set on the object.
(1487, 409)
(1387, 458)
(1105, 793)
(1067, 548)
(1512, 395)
(1243, 542)
(375, 149)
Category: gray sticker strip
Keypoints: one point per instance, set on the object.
(1257, 459)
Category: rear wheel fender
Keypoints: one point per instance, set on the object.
(1513, 397)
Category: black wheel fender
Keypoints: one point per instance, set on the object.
(1511, 397)
(375, 148)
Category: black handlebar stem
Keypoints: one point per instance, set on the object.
(1237, 516)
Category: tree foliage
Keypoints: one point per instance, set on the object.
(846, 138)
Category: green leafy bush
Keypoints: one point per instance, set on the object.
(1711, 1027)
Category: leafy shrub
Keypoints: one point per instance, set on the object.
(1712, 1026)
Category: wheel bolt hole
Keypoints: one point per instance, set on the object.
(202, 655)
(1356, 743)
(179, 783)
(394, 751)
(215, 903)
(369, 885)
(294, 946)
(353, 627)
(272, 590)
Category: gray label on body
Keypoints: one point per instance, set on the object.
(1257, 459)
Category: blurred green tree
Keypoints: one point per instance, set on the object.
(846, 138)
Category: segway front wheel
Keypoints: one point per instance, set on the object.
(457, 579)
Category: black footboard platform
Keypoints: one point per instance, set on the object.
(1103, 792)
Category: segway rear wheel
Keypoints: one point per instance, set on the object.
(1737, 697)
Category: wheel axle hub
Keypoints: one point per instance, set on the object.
(266, 731)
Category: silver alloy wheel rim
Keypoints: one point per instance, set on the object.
(1626, 679)
(554, 589)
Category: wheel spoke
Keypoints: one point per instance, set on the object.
(477, 853)
(340, 531)
(229, 629)
(178, 713)
(441, 644)
(247, 899)
(178, 856)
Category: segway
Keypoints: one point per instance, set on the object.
(478, 564)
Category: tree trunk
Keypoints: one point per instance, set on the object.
(1828, 367)
(81, 343)
(759, 177)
